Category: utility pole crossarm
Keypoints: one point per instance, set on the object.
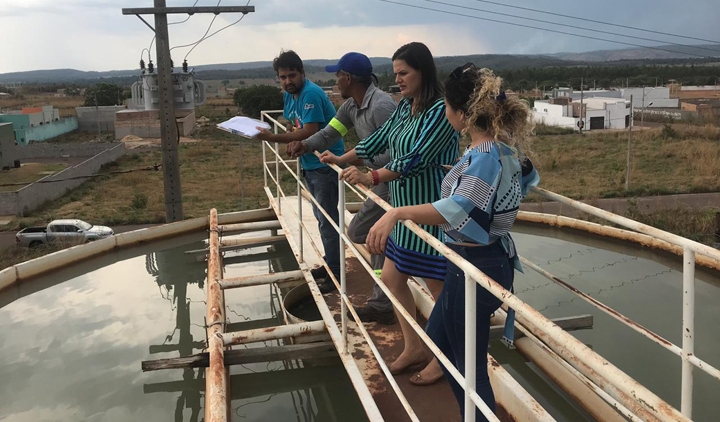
(187, 10)
(166, 82)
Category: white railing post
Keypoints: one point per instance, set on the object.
(470, 346)
(262, 144)
(341, 227)
(300, 208)
(277, 171)
(688, 340)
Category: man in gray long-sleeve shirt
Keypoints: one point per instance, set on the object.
(367, 108)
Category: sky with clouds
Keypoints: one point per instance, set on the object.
(94, 35)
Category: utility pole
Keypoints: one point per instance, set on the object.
(97, 115)
(582, 121)
(168, 124)
(627, 163)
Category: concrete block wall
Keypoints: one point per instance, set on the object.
(90, 117)
(51, 150)
(8, 203)
(51, 130)
(146, 123)
(32, 196)
(8, 149)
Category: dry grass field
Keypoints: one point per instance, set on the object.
(662, 162)
(14, 179)
(582, 167)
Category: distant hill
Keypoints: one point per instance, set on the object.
(79, 76)
(500, 62)
(263, 69)
(643, 53)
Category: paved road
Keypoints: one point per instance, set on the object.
(7, 239)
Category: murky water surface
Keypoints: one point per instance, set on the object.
(637, 283)
(72, 351)
(73, 342)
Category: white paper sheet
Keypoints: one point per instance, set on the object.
(243, 126)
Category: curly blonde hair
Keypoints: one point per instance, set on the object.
(507, 119)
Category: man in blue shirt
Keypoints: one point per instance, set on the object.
(309, 110)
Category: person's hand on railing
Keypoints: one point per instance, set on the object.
(378, 235)
(328, 157)
(296, 148)
(353, 175)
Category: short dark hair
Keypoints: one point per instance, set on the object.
(288, 60)
(418, 56)
(365, 80)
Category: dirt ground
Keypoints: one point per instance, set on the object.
(134, 142)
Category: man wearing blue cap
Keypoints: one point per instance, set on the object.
(366, 109)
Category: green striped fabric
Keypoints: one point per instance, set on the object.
(419, 146)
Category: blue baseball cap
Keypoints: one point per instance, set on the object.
(353, 63)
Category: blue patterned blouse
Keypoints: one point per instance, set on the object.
(481, 195)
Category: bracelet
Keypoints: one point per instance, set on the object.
(375, 177)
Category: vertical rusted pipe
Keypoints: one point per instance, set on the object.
(216, 405)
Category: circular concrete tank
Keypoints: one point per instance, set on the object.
(300, 307)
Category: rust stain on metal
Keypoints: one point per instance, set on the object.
(216, 381)
(503, 414)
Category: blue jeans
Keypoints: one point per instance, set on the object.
(323, 185)
(446, 326)
(358, 230)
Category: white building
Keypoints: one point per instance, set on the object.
(554, 114)
(655, 97)
(598, 113)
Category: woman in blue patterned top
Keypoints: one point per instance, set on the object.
(480, 199)
(421, 141)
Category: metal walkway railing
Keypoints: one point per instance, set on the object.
(630, 398)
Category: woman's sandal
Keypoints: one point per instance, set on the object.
(420, 360)
(417, 379)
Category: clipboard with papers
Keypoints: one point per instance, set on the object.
(243, 126)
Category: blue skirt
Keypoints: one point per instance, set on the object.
(414, 263)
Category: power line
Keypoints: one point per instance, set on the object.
(203, 37)
(154, 167)
(223, 28)
(186, 19)
(208, 36)
(539, 28)
(596, 21)
(571, 26)
(169, 23)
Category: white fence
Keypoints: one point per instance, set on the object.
(630, 398)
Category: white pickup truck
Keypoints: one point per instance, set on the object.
(70, 231)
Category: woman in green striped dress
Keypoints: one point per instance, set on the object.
(421, 141)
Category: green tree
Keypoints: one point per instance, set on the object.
(72, 91)
(225, 82)
(104, 94)
(251, 101)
